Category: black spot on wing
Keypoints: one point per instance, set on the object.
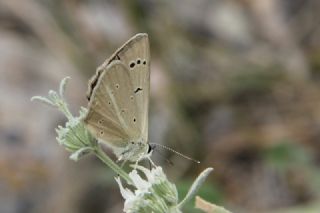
(138, 89)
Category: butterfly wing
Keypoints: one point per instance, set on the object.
(135, 56)
(113, 114)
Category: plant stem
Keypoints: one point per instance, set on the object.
(102, 156)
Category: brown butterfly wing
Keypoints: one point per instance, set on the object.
(113, 114)
(135, 56)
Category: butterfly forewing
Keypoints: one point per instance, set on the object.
(135, 56)
(113, 115)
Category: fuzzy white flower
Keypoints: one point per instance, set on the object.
(73, 136)
(154, 193)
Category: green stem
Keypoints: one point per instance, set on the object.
(102, 156)
(64, 108)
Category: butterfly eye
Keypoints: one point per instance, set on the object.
(138, 61)
(101, 132)
(117, 86)
(144, 62)
(134, 119)
(132, 64)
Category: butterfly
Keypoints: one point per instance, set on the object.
(118, 97)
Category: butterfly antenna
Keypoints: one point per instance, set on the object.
(174, 151)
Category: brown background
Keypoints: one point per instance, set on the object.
(234, 84)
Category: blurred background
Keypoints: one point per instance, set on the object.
(234, 84)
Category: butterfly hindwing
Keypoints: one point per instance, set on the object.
(113, 115)
(135, 57)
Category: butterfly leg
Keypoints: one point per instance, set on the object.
(137, 162)
(141, 157)
(152, 163)
(123, 163)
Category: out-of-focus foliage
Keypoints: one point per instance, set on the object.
(234, 84)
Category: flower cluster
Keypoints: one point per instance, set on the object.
(74, 136)
(154, 193)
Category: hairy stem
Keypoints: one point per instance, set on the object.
(104, 158)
